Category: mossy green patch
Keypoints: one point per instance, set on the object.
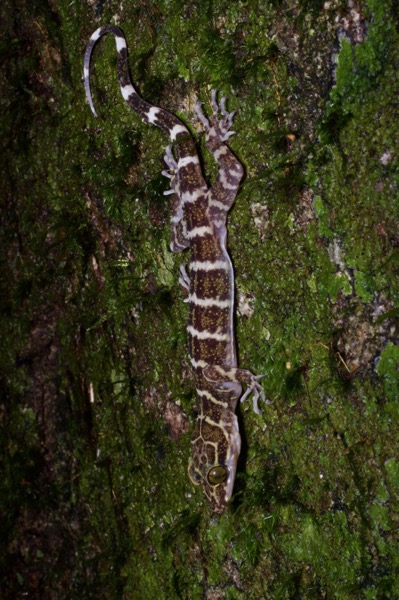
(388, 369)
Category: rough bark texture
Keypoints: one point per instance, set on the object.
(97, 396)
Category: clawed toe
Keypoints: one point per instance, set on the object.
(200, 115)
(221, 119)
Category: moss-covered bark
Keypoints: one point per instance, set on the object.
(98, 400)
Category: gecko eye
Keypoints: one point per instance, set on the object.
(217, 475)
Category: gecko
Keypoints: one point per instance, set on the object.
(198, 223)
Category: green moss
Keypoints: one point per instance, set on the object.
(387, 368)
(323, 217)
(362, 287)
(392, 467)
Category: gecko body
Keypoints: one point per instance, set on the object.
(199, 223)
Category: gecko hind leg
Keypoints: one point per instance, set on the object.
(226, 122)
(221, 125)
(184, 279)
(171, 172)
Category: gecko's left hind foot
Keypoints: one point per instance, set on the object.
(221, 124)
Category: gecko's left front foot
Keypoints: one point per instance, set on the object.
(228, 379)
(253, 387)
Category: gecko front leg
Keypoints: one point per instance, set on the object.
(225, 379)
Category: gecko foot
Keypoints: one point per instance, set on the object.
(253, 387)
(221, 119)
(170, 173)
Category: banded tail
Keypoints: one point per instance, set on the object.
(148, 113)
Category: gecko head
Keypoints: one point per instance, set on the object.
(216, 448)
